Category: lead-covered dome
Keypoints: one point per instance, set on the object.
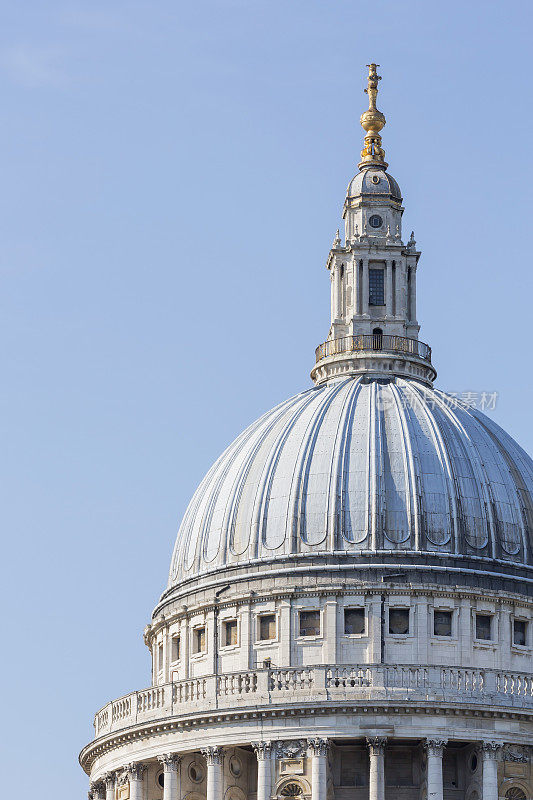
(374, 182)
(362, 466)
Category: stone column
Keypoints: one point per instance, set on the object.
(491, 751)
(170, 762)
(109, 780)
(319, 767)
(365, 306)
(435, 750)
(285, 625)
(185, 647)
(136, 779)
(336, 281)
(376, 749)
(412, 296)
(263, 752)
(329, 648)
(215, 782)
(388, 289)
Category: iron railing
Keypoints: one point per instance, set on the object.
(374, 342)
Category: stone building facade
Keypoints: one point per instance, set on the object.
(349, 611)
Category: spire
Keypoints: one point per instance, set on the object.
(372, 121)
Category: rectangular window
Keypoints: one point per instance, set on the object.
(442, 623)
(354, 620)
(519, 632)
(160, 657)
(230, 632)
(399, 771)
(175, 648)
(376, 287)
(199, 640)
(483, 627)
(399, 620)
(267, 627)
(449, 770)
(353, 768)
(309, 623)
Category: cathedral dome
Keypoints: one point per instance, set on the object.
(374, 182)
(349, 611)
(354, 468)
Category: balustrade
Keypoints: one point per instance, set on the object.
(320, 682)
(374, 342)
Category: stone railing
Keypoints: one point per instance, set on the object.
(267, 687)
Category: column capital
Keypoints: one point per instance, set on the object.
(109, 780)
(263, 750)
(376, 745)
(213, 755)
(169, 761)
(491, 749)
(435, 747)
(135, 770)
(97, 790)
(318, 746)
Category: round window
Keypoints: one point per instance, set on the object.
(196, 772)
(473, 762)
(235, 766)
(375, 178)
(161, 779)
(375, 221)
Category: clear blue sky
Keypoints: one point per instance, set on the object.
(172, 175)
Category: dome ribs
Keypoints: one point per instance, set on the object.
(361, 466)
(339, 510)
(264, 496)
(409, 469)
(297, 510)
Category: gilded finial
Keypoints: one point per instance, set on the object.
(372, 121)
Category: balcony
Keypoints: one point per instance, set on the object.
(306, 686)
(375, 343)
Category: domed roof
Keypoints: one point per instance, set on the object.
(358, 466)
(374, 182)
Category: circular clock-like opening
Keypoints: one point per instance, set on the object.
(235, 766)
(196, 772)
(375, 221)
(375, 178)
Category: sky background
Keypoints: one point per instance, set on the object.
(172, 175)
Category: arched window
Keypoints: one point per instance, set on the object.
(377, 339)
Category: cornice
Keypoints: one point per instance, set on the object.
(335, 590)
(409, 708)
(295, 565)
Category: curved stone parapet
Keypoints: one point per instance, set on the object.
(318, 684)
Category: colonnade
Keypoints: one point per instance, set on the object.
(317, 749)
(399, 286)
